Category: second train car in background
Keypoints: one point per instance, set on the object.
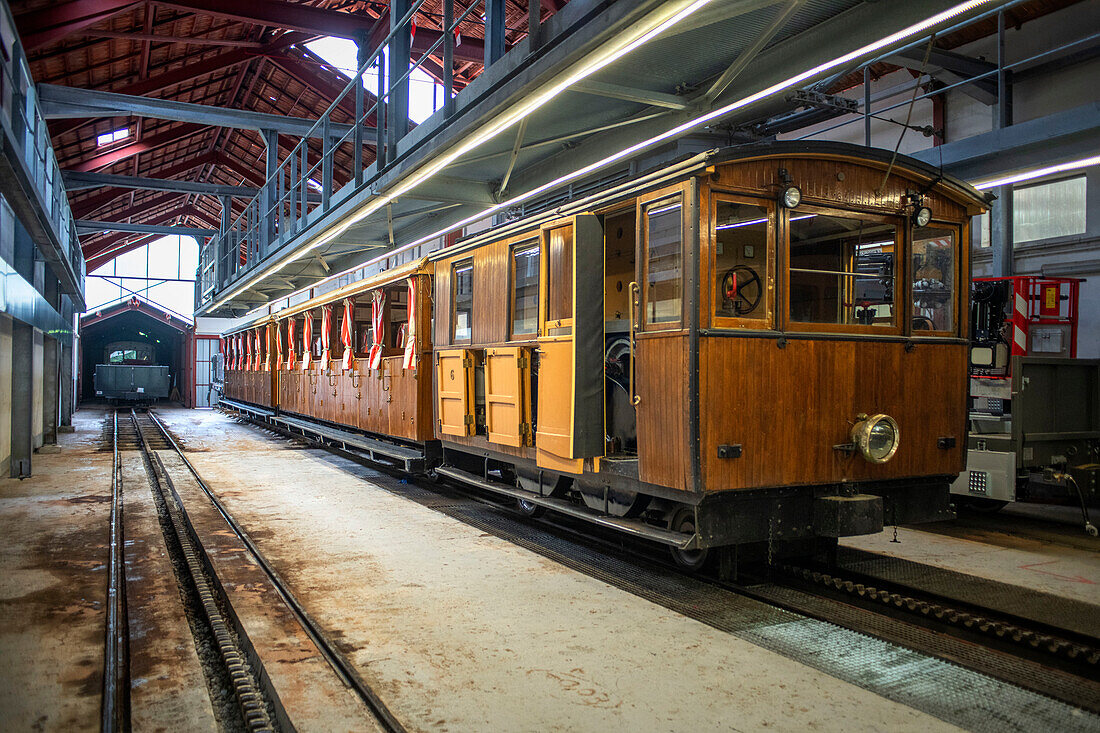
(762, 347)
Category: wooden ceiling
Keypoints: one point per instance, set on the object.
(239, 54)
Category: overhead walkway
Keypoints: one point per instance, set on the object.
(600, 91)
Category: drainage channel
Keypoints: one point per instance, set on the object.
(906, 667)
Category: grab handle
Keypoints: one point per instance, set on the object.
(634, 290)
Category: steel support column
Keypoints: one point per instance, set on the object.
(51, 378)
(363, 52)
(400, 50)
(267, 198)
(494, 30)
(448, 57)
(1002, 234)
(22, 421)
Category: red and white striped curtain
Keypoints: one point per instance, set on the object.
(307, 342)
(409, 361)
(248, 350)
(240, 351)
(346, 336)
(228, 351)
(259, 350)
(290, 343)
(266, 336)
(377, 306)
(236, 341)
(326, 335)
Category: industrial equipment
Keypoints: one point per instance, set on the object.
(1034, 407)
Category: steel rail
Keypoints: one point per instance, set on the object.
(336, 659)
(114, 712)
(244, 681)
(864, 621)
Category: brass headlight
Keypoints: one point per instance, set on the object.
(876, 437)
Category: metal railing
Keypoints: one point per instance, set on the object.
(29, 137)
(299, 191)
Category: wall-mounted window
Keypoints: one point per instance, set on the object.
(1047, 210)
(663, 260)
(525, 288)
(463, 279)
(741, 271)
(842, 269)
(933, 279)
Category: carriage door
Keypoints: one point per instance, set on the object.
(570, 419)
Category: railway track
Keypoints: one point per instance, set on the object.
(1035, 657)
(240, 669)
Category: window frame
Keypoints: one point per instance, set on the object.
(534, 241)
(558, 327)
(663, 197)
(455, 267)
(956, 299)
(902, 239)
(768, 322)
(1024, 186)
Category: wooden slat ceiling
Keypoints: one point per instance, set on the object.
(197, 57)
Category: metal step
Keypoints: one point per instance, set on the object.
(633, 527)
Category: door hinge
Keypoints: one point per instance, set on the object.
(467, 362)
(467, 419)
(522, 362)
(525, 428)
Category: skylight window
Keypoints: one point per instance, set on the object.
(425, 95)
(114, 136)
(314, 185)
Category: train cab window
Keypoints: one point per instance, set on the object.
(559, 274)
(663, 261)
(463, 284)
(742, 238)
(842, 269)
(933, 277)
(525, 289)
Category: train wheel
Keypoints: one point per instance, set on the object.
(683, 520)
(529, 508)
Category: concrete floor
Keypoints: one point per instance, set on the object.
(461, 631)
(1047, 565)
(54, 530)
(456, 629)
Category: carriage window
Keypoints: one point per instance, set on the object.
(664, 235)
(741, 260)
(842, 269)
(317, 348)
(463, 279)
(525, 284)
(934, 279)
(559, 305)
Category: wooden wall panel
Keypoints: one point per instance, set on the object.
(661, 379)
(492, 292)
(442, 335)
(788, 407)
(836, 181)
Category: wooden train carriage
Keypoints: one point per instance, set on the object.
(696, 353)
(249, 376)
(325, 346)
